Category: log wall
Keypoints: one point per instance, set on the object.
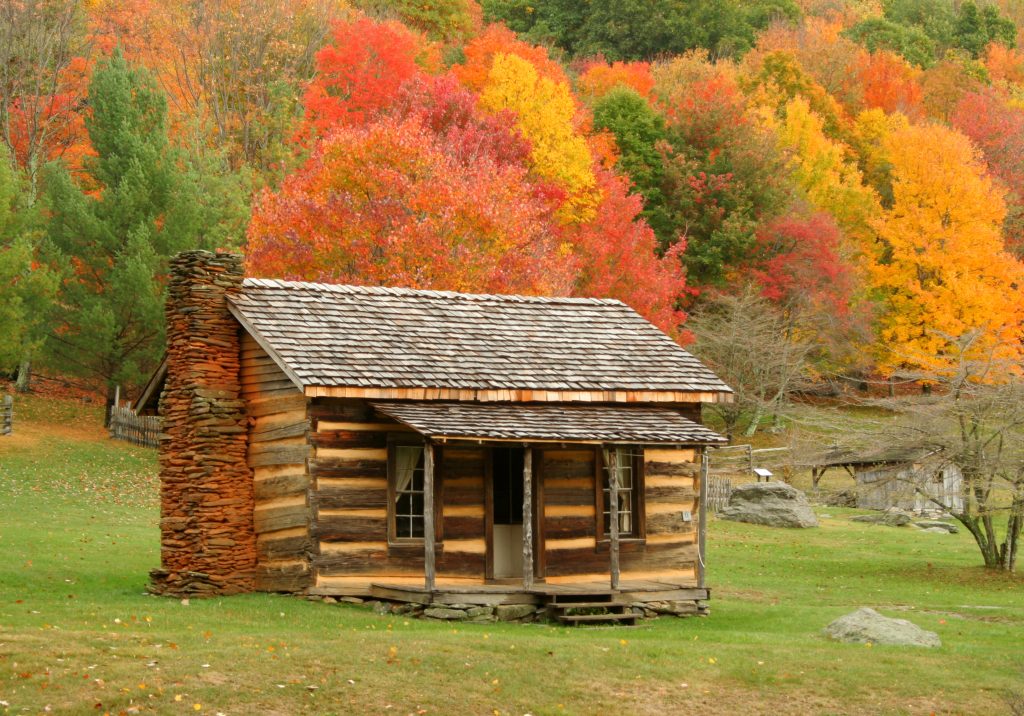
(572, 550)
(278, 449)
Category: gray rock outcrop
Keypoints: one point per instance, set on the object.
(893, 517)
(936, 525)
(774, 504)
(868, 626)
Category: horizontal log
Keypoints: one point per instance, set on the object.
(336, 497)
(462, 564)
(569, 497)
(463, 527)
(473, 456)
(670, 523)
(346, 528)
(344, 410)
(660, 557)
(463, 497)
(268, 433)
(286, 547)
(280, 518)
(340, 439)
(669, 455)
(270, 393)
(569, 527)
(262, 448)
(336, 467)
(292, 578)
(567, 468)
(286, 455)
(668, 495)
(686, 469)
(272, 405)
(281, 486)
(268, 383)
(462, 470)
(255, 369)
(585, 560)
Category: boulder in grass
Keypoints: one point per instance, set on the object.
(774, 504)
(868, 626)
(893, 517)
(935, 525)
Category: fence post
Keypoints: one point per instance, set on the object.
(7, 416)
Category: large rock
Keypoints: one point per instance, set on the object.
(935, 525)
(868, 626)
(775, 504)
(893, 517)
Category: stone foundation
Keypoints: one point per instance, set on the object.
(208, 546)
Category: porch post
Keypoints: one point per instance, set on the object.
(613, 517)
(428, 516)
(702, 512)
(528, 518)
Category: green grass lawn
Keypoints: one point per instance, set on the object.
(78, 634)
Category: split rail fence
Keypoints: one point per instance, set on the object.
(139, 429)
(736, 463)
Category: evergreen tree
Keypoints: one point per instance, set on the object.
(638, 129)
(26, 288)
(142, 201)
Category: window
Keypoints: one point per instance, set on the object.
(405, 465)
(626, 462)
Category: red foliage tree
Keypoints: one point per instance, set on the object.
(997, 128)
(616, 252)
(387, 203)
(360, 72)
(799, 267)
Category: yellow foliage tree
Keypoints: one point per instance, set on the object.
(831, 181)
(942, 270)
(545, 112)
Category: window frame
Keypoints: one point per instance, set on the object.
(637, 504)
(394, 443)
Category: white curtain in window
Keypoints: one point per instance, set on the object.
(406, 459)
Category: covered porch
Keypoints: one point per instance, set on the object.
(644, 521)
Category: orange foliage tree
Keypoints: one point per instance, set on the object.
(889, 83)
(941, 268)
(599, 78)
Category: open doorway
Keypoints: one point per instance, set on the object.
(507, 512)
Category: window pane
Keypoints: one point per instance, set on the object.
(408, 476)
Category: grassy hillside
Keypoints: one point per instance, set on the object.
(78, 634)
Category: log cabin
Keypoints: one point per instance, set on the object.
(424, 446)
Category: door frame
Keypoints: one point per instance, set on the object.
(536, 502)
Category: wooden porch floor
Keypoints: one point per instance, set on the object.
(494, 594)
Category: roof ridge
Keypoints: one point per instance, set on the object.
(353, 289)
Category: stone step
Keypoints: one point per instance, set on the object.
(597, 618)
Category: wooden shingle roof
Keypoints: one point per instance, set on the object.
(373, 337)
(588, 423)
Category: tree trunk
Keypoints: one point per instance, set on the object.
(754, 421)
(109, 406)
(24, 381)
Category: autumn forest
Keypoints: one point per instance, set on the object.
(844, 178)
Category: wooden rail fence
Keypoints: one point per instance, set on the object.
(719, 492)
(7, 416)
(139, 429)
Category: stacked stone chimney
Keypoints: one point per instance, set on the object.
(208, 546)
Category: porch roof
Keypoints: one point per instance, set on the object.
(560, 423)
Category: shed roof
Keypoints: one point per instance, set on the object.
(498, 421)
(374, 337)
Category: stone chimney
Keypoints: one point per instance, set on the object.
(207, 542)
